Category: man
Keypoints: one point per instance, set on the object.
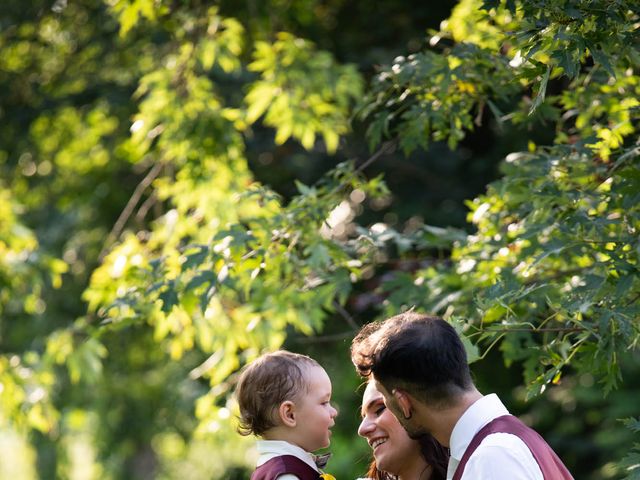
(420, 366)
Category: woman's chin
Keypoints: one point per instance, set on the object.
(385, 466)
(381, 461)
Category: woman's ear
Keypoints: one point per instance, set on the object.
(404, 402)
(287, 413)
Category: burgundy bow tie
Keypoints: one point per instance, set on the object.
(321, 460)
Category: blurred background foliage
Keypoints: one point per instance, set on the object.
(186, 184)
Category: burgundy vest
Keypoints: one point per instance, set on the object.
(277, 466)
(551, 466)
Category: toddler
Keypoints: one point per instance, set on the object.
(284, 399)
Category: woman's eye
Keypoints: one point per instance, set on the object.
(380, 409)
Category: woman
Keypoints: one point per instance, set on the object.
(395, 455)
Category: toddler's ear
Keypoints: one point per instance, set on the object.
(287, 413)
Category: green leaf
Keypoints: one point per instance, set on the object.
(632, 424)
(196, 256)
(542, 90)
(169, 297)
(206, 277)
(259, 98)
(602, 59)
(331, 140)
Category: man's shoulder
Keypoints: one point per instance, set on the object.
(502, 440)
(504, 455)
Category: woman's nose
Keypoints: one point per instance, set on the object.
(366, 427)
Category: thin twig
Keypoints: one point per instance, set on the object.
(548, 319)
(344, 314)
(610, 240)
(478, 119)
(387, 147)
(207, 365)
(324, 338)
(559, 274)
(146, 206)
(538, 330)
(633, 300)
(129, 207)
(490, 347)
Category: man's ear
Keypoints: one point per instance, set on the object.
(287, 413)
(404, 402)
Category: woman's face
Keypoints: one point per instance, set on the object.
(392, 448)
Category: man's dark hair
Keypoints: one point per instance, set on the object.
(421, 354)
(267, 382)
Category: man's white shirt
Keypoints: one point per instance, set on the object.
(499, 455)
(268, 449)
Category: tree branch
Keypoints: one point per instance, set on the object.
(387, 147)
(555, 276)
(539, 330)
(146, 206)
(129, 207)
(344, 314)
(324, 338)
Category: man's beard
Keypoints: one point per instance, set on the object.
(415, 432)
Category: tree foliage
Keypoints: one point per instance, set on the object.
(143, 262)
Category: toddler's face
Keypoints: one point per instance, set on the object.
(315, 413)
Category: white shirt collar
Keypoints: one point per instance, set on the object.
(472, 420)
(268, 449)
